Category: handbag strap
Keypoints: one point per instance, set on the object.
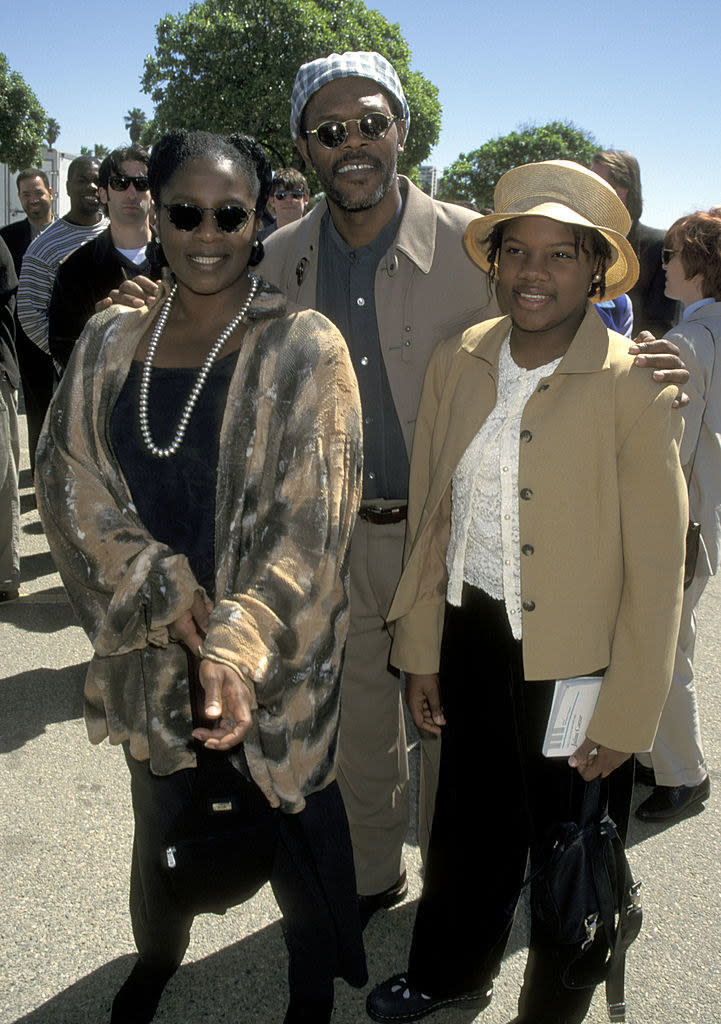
(630, 918)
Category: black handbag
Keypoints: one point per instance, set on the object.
(221, 847)
(585, 898)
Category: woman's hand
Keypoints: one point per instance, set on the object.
(227, 700)
(663, 358)
(190, 627)
(135, 292)
(592, 760)
(423, 697)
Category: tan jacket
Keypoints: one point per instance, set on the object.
(603, 513)
(426, 287)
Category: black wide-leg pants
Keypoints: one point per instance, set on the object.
(312, 879)
(497, 799)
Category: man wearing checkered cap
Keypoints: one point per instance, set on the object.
(385, 263)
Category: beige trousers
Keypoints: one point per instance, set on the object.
(372, 755)
(677, 756)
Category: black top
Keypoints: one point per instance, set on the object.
(84, 277)
(175, 497)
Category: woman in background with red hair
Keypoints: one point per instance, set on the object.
(692, 261)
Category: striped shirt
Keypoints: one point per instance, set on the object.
(40, 264)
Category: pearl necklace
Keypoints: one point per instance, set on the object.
(164, 453)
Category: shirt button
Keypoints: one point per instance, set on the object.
(407, 343)
(507, 561)
(364, 361)
(527, 549)
(506, 516)
(526, 435)
(526, 493)
(361, 301)
(505, 469)
(528, 606)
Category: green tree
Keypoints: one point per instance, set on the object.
(473, 176)
(135, 121)
(52, 130)
(229, 65)
(99, 151)
(22, 120)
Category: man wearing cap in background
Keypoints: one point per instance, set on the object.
(288, 199)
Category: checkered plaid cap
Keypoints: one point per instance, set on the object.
(353, 64)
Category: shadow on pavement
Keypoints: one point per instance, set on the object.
(33, 700)
(43, 611)
(244, 982)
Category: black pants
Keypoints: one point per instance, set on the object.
(497, 798)
(312, 880)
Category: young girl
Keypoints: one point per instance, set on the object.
(531, 556)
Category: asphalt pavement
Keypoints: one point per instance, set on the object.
(65, 835)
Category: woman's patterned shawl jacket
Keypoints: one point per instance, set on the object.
(288, 487)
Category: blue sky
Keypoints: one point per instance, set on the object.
(642, 76)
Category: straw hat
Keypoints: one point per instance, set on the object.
(564, 191)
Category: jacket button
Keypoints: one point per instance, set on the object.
(526, 435)
(526, 493)
(527, 549)
(528, 606)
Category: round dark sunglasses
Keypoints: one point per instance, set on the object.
(187, 216)
(667, 255)
(372, 126)
(121, 182)
(294, 193)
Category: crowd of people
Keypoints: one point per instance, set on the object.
(299, 455)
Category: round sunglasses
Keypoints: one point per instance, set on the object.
(122, 182)
(667, 255)
(187, 216)
(292, 193)
(371, 126)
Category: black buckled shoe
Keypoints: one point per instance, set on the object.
(396, 893)
(396, 1000)
(669, 802)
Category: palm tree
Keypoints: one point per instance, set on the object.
(134, 121)
(52, 131)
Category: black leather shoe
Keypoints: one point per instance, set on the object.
(396, 1000)
(396, 893)
(669, 802)
(643, 774)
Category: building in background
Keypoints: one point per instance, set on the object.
(429, 180)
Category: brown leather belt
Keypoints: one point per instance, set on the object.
(382, 516)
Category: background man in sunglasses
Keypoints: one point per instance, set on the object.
(116, 254)
(288, 199)
(81, 224)
(386, 264)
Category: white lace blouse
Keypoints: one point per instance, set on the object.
(484, 546)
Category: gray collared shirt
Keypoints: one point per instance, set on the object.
(346, 295)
